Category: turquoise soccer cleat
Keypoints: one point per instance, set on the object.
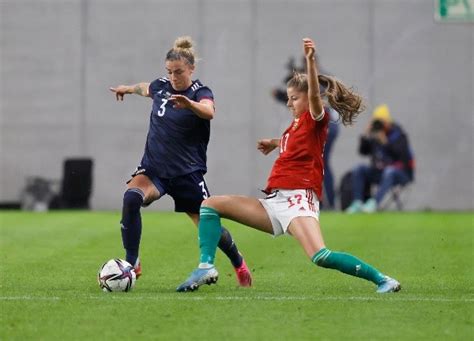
(199, 277)
(370, 206)
(388, 285)
(354, 207)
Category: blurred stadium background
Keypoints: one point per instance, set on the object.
(59, 57)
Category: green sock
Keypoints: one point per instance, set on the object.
(348, 264)
(209, 233)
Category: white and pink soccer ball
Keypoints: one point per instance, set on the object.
(116, 275)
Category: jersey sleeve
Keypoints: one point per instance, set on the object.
(156, 86)
(324, 120)
(320, 115)
(204, 93)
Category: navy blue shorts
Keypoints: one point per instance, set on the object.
(187, 191)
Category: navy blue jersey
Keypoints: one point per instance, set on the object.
(177, 138)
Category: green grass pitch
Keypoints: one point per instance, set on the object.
(49, 262)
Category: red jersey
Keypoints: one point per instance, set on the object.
(300, 164)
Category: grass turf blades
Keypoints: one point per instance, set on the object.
(49, 264)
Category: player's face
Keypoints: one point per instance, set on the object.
(179, 73)
(297, 101)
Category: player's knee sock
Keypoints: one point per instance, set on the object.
(227, 245)
(131, 223)
(348, 264)
(209, 234)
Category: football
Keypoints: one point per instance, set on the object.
(116, 275)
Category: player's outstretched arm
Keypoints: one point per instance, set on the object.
(137, 89)
(315, 102)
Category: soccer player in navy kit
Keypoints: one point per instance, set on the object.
(174, 161)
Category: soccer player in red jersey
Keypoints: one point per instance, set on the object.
(295, 183)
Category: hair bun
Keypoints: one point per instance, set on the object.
(183, 43)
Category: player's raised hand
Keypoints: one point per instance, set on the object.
(120, 91)
(266, 145)
(180, 101)
(309, 48)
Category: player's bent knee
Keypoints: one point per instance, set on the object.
(133, 199)
(207, 202)
(214, 202)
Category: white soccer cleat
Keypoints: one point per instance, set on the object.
(199, 277)
(388, 285)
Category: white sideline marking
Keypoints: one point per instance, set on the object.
(189, 297)
(29, 298)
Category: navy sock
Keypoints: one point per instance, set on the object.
(227, 245)
(131, 223)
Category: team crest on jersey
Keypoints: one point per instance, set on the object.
(295, 124)
(164, 94)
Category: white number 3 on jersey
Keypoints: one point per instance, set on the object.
(162, 109)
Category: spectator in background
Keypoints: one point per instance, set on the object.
(280, 95)
(392, 161)
(333, 132)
